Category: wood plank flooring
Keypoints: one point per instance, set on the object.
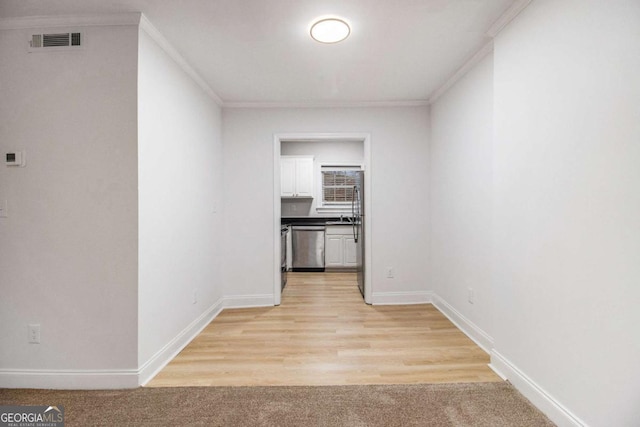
(324, 334)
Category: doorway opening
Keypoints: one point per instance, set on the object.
(323, 200)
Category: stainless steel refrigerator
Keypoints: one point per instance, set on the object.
(358, 221)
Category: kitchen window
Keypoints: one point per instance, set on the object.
(336, 182)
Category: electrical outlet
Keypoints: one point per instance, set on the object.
(4, 208)
(294, 207)
(195, 296)
(470, 295)
(34, 334)
(16, 158)
(391, 272)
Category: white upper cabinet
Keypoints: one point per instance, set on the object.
(304, 177)
(287, 177)
(296, 176)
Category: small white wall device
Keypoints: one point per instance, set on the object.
(15, 158)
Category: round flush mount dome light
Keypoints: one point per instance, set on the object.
(330, 30)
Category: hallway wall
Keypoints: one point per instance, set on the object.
(566, 206)
(180, 203)
(460, 186)
(69, 251)
(399, 214)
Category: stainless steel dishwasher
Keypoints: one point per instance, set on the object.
(308, 247)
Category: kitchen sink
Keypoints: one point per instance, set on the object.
(345, 221)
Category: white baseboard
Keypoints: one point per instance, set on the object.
(159, 360)
(507, 371)
(108, 378)
(127, 378)
(247, 301)
(473, 331)
(401, 298)
(532, 391)
(68, 378)
(132, 378)
(154, 365)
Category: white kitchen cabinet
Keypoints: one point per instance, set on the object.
(287, 177)
(334, 251)
(340, 247)
(350, 256)
(296, 176)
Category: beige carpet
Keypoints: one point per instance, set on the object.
(471, 404)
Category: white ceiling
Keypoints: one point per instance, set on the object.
(260, 51)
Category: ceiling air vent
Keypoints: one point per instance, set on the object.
(57, 41)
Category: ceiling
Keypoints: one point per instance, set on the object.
(259, 51)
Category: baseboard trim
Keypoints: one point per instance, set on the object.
(532, 391)
(470, 329)
(166, 354)
(401, 298)
(127, 378)
(248, 301)
(69, 379)
(162, 358)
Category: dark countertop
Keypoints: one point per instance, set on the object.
(310, 220)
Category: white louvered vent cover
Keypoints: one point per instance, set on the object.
(57, 41)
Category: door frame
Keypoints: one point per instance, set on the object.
(278, 138)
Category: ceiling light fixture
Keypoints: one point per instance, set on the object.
(330, 30)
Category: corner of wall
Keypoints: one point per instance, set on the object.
(162, 357)
(152, 31)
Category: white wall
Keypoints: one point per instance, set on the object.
(567, 202)
(69, 246)
(460, 179)
(399, 138)
(322, 151)
(346, 151)
(180, 201)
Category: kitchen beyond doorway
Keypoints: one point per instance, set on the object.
(328, 153)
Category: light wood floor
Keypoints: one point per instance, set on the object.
(324, 334)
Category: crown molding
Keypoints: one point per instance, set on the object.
(508, 16)
(157, 36)
(137, 18)
(495, 29)
(27, 22)
(460, 72)
(327, 104)
(133, 18)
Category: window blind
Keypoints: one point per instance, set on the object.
(337, 184)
